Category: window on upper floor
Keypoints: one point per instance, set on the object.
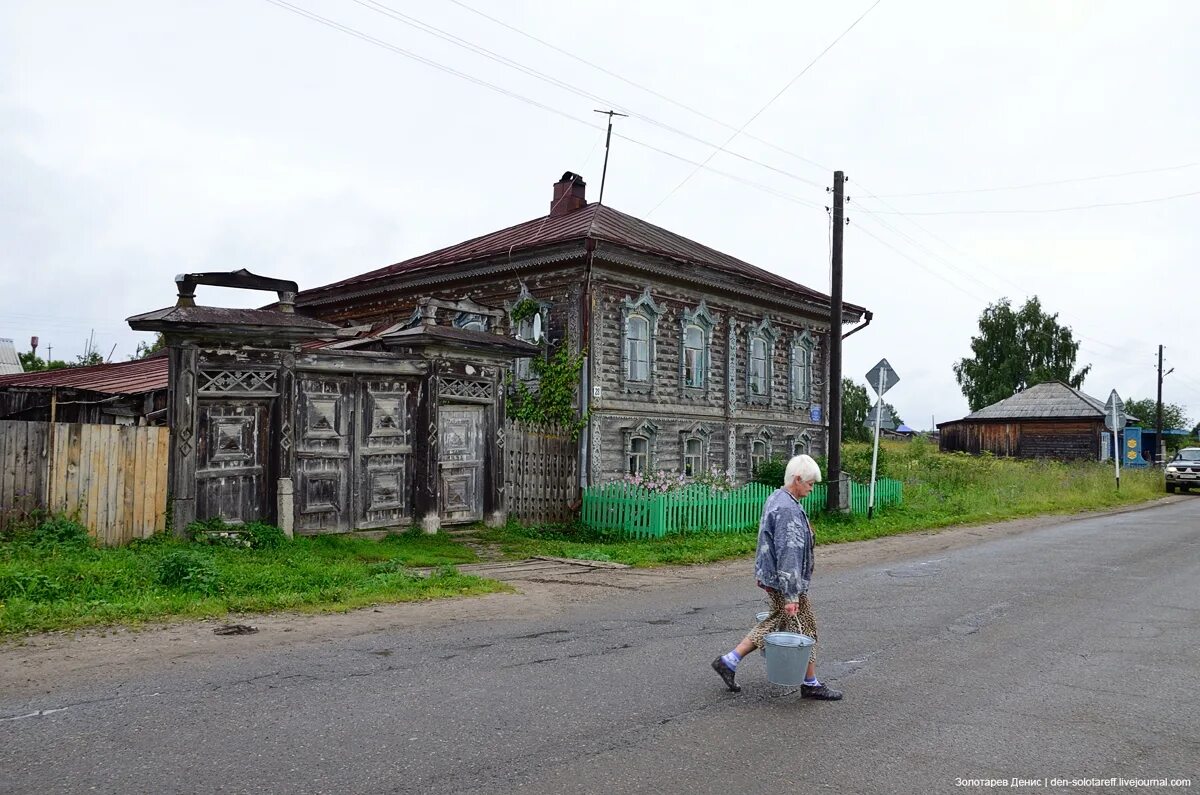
(637, 348)
(693, 357)
(758, 366)
(800, 388)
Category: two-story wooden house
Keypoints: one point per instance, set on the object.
(696, 360)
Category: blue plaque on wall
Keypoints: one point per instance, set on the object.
(814, 413)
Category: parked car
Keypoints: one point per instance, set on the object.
(1183, 471)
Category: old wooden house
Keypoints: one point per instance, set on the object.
(695, 360)
(281, 417)
(1050, 420)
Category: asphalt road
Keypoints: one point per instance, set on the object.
(1071, 651)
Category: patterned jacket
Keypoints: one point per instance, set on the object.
(784, 561)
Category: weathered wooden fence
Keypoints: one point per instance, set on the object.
(541, 472)
(113, 478)
(638, 512)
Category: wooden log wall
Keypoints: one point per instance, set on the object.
(541, 472)
(112, 478)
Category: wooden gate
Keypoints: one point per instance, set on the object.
(541, 472)
(232, 460)
(460, 462)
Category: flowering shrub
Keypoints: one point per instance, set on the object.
(716, 479)
(660, 481)
(663, 482)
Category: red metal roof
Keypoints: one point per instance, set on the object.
(595, 221)
(120, 378)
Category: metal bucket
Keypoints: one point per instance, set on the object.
(787, 657)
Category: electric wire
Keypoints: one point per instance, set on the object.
(761, 110)
(458, 41)
(522, 98)
(1068, 181)
(1044, 210)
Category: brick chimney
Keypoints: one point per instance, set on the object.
(569, 195)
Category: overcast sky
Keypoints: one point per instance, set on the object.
(143, 139)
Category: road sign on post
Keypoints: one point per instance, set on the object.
(1114, 420)
(881, 378)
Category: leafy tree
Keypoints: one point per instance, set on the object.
(1147, 411)
(31, 362)
(144, 348)
(856, 404)
(1017, 350)
(88, 359)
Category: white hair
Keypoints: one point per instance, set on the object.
(802, 467)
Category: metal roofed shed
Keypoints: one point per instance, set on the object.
(9, 361)
(1050, 420)
(125, 393)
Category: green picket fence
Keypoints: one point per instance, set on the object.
(638, 512)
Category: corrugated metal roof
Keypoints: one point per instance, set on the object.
(120, 378)
(9, 361)
(1051, 400)
(595, 221)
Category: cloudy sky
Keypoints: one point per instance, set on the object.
(143, 139)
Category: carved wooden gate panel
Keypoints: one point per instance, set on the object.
(323, 463)
(461, 460)
(384, 453)
(231, 460)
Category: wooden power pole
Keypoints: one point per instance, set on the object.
(834, 499)
(1158, 445)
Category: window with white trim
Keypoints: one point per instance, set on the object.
(758, 454)
(639, 455)
(801, 370)
(693, 357)
(693, 456)
(637, 349)
(758, 366)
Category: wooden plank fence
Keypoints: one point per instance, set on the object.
(638, 512)
(541, 480)
(112, 478)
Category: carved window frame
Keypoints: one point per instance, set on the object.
(758, 436)
(645, 308)
(802, 440)
(702, 436)
(765, 333)
(526, 331)
(645, 431)
(703, 319)
(470, 321)
(800, 357)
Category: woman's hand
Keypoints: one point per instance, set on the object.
(791, 607)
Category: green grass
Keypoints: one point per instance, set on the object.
(940, 490)
(53, 581)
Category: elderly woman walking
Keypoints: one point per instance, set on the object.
(783, 568)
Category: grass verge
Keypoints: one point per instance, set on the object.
(940, 490)
(52, 578)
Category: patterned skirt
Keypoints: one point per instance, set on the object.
(803, 622)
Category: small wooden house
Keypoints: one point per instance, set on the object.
(120, 393)
(1050, 420)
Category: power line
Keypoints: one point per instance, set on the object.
(1036, 184)
(460, 42)
(1027, 211)
(514, 95)
(639, 86)
(760, 111)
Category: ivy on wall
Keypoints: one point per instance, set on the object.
(552, 398)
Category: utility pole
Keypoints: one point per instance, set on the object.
(834, 497)
(607, 142)
(1159, 447)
